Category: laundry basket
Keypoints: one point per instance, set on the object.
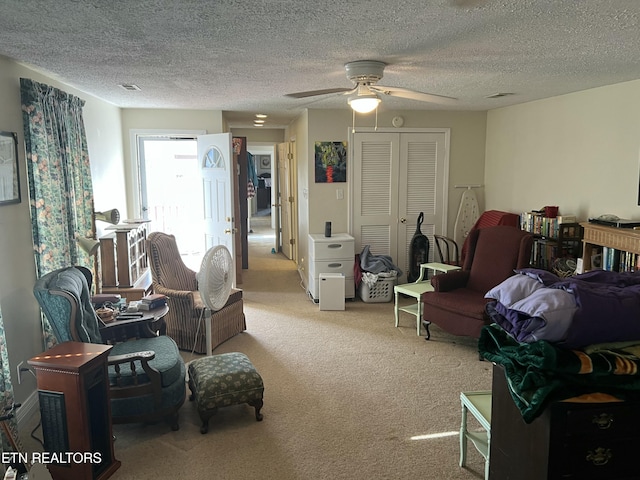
(381, 291)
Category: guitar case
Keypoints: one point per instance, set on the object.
(418, 251)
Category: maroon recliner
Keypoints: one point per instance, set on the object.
(457, 304)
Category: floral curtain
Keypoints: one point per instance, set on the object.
(59, 176)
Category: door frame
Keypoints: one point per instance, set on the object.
(134, 187)
(440, 228)
(269, 148)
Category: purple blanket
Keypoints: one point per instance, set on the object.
(607, 307)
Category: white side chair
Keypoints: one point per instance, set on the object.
(416, 289)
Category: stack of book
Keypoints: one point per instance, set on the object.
(536, 223)
(153, 301)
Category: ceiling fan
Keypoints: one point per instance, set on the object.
(364, 98)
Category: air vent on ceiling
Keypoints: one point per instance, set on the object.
(498, 95)
(130, 86)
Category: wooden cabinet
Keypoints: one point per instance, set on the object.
(142, 287)
(75, 411)
(621, 244)
(569, 440)
(263, 198)
(124, 262)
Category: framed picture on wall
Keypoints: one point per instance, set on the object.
(331, 162)
(264, 163)
(9, 175)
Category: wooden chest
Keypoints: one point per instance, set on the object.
(569, 440)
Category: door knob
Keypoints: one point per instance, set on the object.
(403, 220)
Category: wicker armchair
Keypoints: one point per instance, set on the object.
(171, 277)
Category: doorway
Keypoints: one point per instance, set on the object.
(262, 219)
(171, 193)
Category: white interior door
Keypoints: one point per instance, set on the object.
(218, 184)
(283, 202)
(276, 219)
(376, 159)
(424, 175)
(399, 175)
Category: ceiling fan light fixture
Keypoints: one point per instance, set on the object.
(364, 104)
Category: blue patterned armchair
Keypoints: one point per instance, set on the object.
(146, 375)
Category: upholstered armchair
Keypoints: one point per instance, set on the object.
(187, 312)
(490, 218)
(457, 304)
(146, 375)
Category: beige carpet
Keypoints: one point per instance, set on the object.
(346, 395)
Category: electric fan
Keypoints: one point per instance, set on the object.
(215, 278)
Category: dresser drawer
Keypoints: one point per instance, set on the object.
(596, 459)
(340, 246)
(614, 418)
(344, 267)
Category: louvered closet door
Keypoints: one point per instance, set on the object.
(397, 176)
(375, 188)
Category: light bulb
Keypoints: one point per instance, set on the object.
(364, 104)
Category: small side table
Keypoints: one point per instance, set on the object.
(416, 289)
(149, 323)
(479, 404)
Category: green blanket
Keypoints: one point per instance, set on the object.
(539, 372)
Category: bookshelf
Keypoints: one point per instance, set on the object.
(125, 266)
(618, 248)
(555, 238)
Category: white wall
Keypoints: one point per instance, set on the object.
(466, 165)
(262, 136)
(20, 311)
(578, 151)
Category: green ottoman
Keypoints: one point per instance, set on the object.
(223, 380)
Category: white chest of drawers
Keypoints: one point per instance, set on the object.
(334, 254)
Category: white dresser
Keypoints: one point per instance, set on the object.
(334, 254)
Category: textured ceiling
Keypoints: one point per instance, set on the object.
(243, 56)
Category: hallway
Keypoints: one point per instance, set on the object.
(264, 263)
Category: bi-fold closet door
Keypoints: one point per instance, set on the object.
(396, 176)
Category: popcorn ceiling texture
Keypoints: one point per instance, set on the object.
(243, 56)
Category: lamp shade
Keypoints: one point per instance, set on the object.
(88, 245)
(364, 104)
(110, 216)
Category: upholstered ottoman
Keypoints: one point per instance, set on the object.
(223, 380)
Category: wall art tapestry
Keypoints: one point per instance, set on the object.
(331, 162)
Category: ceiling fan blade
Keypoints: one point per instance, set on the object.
(413, 94)
(313, 93)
